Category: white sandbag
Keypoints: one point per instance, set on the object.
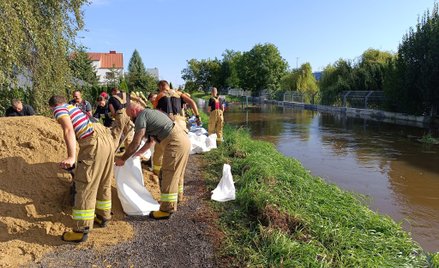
(135, 198)
(225, 191)
(200, 142)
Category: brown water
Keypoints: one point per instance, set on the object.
(382, 161)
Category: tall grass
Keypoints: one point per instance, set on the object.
(285, 217)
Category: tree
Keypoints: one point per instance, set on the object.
(306, 83)
(202, 74)
(369, 73)
(261, 68)
(137, 78)
(36, 37)
(82, 67)
(415, 71)
(228, 76)
(335, 79)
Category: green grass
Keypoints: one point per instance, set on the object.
(285, 217)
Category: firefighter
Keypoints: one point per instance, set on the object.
(171, 102)
(94, 167)
(216, 117)
(157, 126)
(122, 124)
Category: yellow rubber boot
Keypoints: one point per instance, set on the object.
(101, 221)
(76, 237)
(160, 215)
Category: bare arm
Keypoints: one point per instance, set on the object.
(70, 139)
(112, 110)
(132, 148)
(191, 103)
(145, 147)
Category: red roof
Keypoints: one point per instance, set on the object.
(107, 60)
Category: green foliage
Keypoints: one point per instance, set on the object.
(335, 79)
(81, 66)
(428, 139)
(202, 74)
(415, 87)
(36, 37)
(285, 217)
(8, 93)
(261, 68)
(301, 80)
(229, 74)
(137, 78)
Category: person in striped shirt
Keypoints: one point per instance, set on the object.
(94, 167)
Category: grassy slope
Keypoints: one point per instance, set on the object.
(283, 216)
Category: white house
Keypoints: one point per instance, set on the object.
(108, 66)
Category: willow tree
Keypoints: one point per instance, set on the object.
(36, 36)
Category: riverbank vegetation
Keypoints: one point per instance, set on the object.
(407, 79)
(285, 217)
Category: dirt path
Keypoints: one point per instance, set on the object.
(187, 239)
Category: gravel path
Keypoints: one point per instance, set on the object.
(187, 239)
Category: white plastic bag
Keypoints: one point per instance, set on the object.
(135, 198)
(200, 142)
(225, 191)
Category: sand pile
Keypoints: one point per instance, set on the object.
(34, 193)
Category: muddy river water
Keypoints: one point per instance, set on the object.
(385, 162)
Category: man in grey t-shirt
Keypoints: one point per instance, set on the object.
(157, 126)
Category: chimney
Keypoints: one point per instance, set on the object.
(112, 51)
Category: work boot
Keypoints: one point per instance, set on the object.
(75, 236)
(160, 215)
(101, 221)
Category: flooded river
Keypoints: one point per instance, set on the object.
(386, 163)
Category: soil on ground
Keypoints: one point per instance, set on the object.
(35, 210)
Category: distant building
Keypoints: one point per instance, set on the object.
(109, 66)
(154, 72)
(317, 75)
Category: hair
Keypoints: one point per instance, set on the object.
(163, 83)
(151, 95)
(56, 100)
(77, 90)
(14, 102)
(100, 98)
(115, 89)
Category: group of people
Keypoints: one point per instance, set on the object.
(163, 127)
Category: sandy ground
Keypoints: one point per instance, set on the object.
(34, 193)
(35, 211)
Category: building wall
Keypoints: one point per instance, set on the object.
(154, 72)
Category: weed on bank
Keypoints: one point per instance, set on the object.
(285, 217)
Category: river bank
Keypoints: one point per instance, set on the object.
(285, 216)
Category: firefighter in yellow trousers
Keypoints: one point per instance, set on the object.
(121, 124)
(157, 126)
(94, 168)
(170, 102)
(216, 116)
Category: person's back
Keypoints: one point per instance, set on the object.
(17, 108)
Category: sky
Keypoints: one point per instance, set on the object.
(168, 33)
